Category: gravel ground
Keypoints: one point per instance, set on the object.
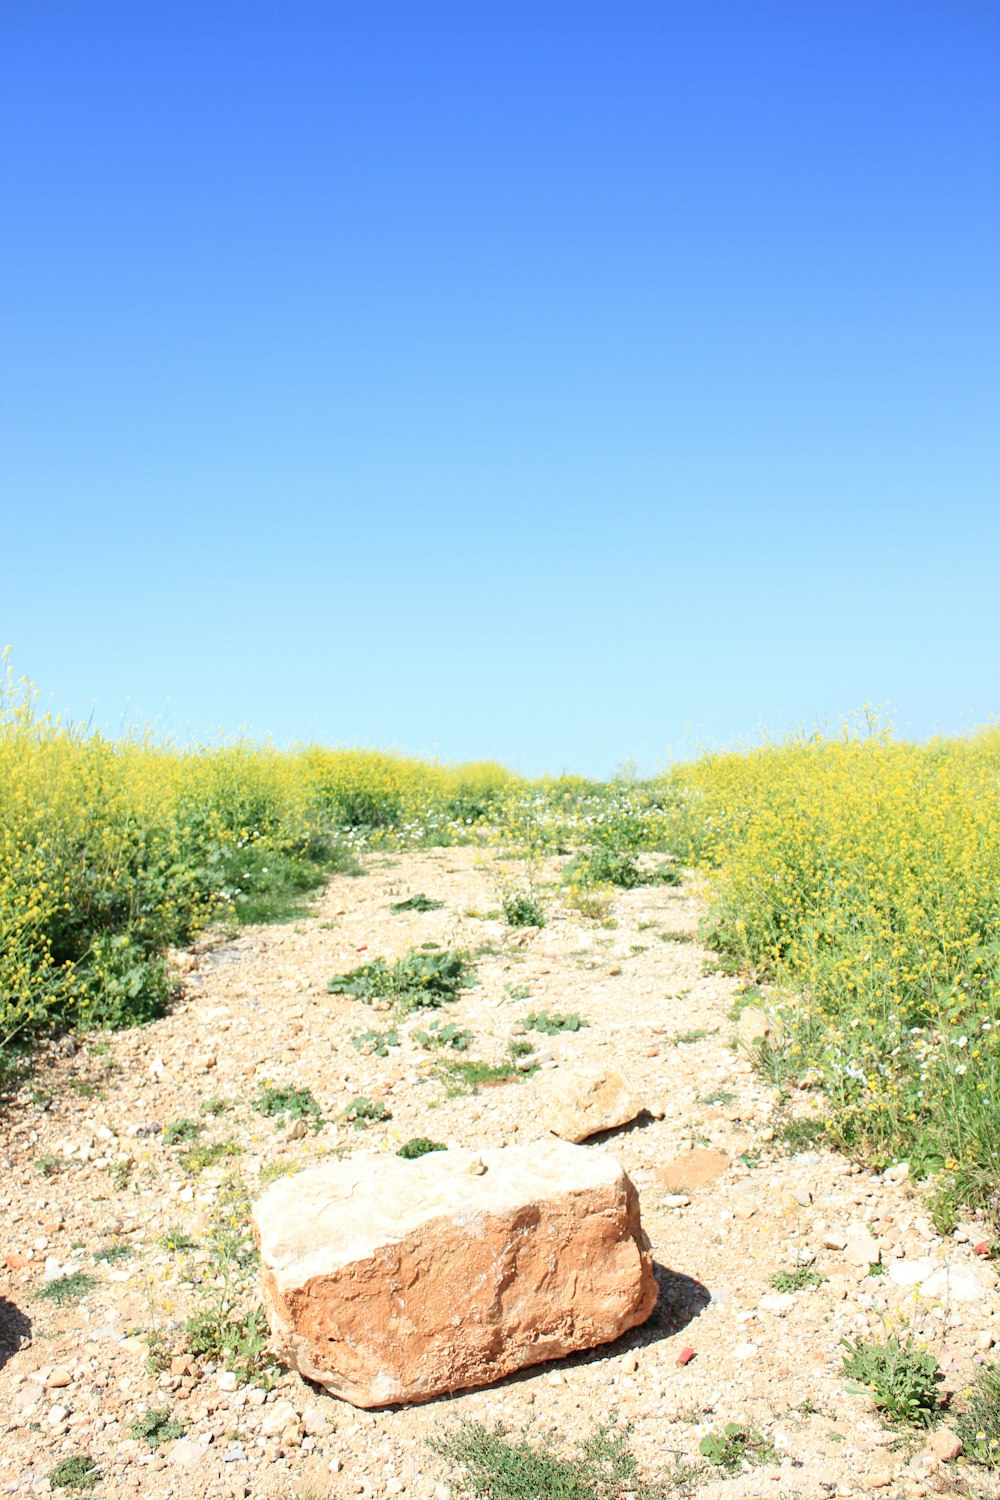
(86, 1167)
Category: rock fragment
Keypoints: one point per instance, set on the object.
(579, 1102)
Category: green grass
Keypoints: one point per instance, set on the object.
(978, 1423)
(497, 1466)
(469, 1075)
(66, 1289)
(418, 980)
(114, 1253)
(269, 885)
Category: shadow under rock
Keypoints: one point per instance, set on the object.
(15, 1330)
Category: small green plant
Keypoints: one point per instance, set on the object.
(154, 1427)
(419, 1145)
(176, 1238)
(418, 980)
(120, 1173)
(978, 1425)
(517, 991)
(735, 1445)
(438, 1034)
(419, 902)
(362, 1112)
(468, 1076)
(295, 1104)
(181, 1130)
(666, 874)
(65, 1289)
(114, 1253)
(215, 1105)
(496, 1466)
(375, 1043)
(751, 1159)
(688, 1038)
(721, 1098)
(78, 1472)
(49, 1164)
(796, 1280)
(199, 1157)
(522, 909)
(675, 935)
(236, 1341)
(803, 1135)
(902, 1379)
(876, 1269)
(550, 1024)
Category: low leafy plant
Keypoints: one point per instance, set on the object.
(418, 1146)
(418, 902)
(797, 1279)
(735, 1445)
(522, 909)
(418, 980)
(236, 1341)
(901, 1379)
(666, 874)
(978, 1425)
(154, 1427)
(296, 1104)
(721, 1098)
(362, 1112)
(65, 1289)
(79, 1472)
(181, 1130)
(803, 1135)
(49, 1164)
(199, 1157)
(215, 1105)
(375, 1043)
(439, 1034)
(549, 1024)
(674, 935)
(688, 1038)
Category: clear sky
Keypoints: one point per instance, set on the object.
(554, 381)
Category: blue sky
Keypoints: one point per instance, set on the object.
(563, 383)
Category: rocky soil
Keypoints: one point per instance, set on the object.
(93, 1184)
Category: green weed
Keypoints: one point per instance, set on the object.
(291, 1102)
(978, 1424)
(66, 1289)
(522, 909)
(736, 1445)
(198, 1158)
(468, 1076)
(419, 1145)
(796, 1280)
(416, 981)
(215, 1105)
(154, 1427)
(181, 1130)
(78, 1472)
(902, 1379)
(439, 1034)
(176, 1238)
(419, 902)
(375, 1043)
(362, 1112)
(551, 1024)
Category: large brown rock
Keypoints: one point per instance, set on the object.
(580, 1101)
(389, 1281)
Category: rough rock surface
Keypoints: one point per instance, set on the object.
(390, 1281)
(578, 1102)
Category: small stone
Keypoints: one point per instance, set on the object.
(879, 1479)
(952, 1284)
(778, 1303)
(686, 1355)
(581, 1101)
(57, 1414)
(314, 1421)
(899, 1173)
(629, 1363)
(296, 1131)
(675, 1200)
(59, 1377)
(834, 1239)
(863, 1250)
(186, 1452)
(944, 1445)
(226, 1380)
(985, 1340)
(753, 1026)
(744, 1351)
(278, 1417)
(15, 1260)
(234, 1455)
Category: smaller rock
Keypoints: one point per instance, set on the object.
(227, 1381)
(186, 1452)
(880, 1478)
(15, 1260)
(944, 1445)
(834, 1239)
(278, 1418)
(296, 1130)
(778, 1303)
(753, 1026)
(59, 1377)
(899, 1173)
(952, 1284)
(676, 1200)
(581, 1101)
(863, 1250)
(744, 1351)
(314, 1421)
(629, 1363)
(686, 1355)
(234, 1455)
(985, 1340)
(692, 1169)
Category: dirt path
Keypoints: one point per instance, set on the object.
(86, 1169)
